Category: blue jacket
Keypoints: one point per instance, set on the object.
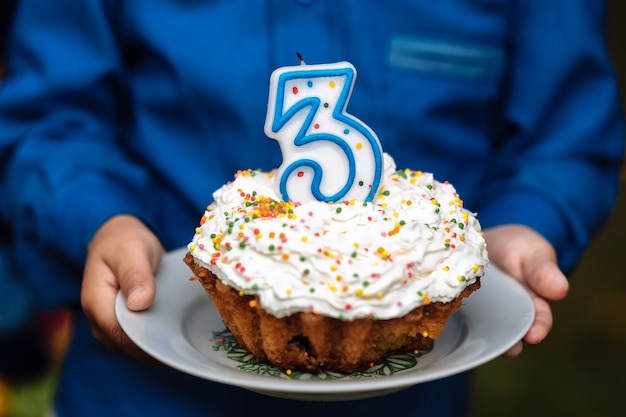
(145, 107)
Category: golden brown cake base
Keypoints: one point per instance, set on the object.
(310, 342)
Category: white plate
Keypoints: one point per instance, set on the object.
(183, 330)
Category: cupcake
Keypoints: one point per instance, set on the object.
(321, 286)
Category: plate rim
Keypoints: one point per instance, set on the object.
(286, 387)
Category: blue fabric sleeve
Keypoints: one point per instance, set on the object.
(62, 171)
(556, 168)
(59, 125)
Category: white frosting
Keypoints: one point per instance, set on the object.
(413, 245)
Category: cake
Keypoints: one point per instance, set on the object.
(322, 286)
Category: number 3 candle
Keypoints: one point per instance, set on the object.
(328, 155)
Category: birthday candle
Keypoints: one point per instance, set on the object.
(328, 154)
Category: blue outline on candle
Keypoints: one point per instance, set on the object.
(280, 119)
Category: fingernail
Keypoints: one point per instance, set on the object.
(133, 297)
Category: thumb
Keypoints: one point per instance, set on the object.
(545, 278)
(136, 279)
(133, 253)
(139, 289)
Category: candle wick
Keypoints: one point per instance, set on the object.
(300, 58)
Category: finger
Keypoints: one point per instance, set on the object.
(135, 275)
(545, 278)
(98, 294)
(514, 351)
(539, 330)
(139, 289)
(542, 323)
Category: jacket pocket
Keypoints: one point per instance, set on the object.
(469, 61)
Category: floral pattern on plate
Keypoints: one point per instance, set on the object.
(224, 341)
